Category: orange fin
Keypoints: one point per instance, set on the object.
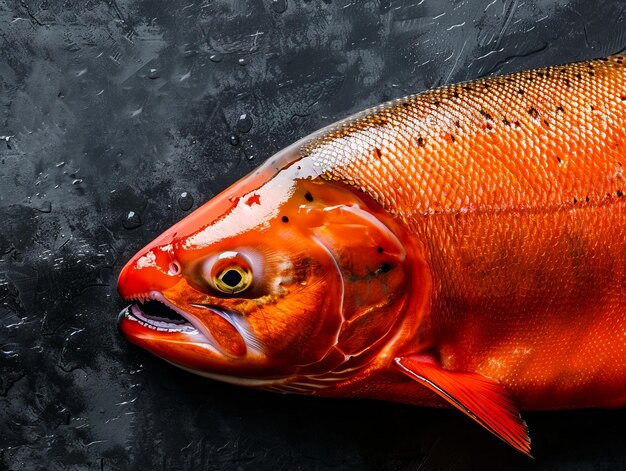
(480, 397)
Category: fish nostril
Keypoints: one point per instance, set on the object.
(174, 269)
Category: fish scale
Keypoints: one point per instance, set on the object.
(514, 186)
(540, 138)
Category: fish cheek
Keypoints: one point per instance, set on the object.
(299, 324)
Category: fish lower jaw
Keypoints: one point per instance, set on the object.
(154, 312)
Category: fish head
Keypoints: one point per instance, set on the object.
(262, 283)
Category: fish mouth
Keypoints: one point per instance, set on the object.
(155, 315)
(155, 312)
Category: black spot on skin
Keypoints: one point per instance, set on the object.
(592, 108)
(560, 108)
(533, 112)
(420, 141)
(385, 267)
(620, 193)
(379, 250)
(575, 201)
(520, 91)
(406, 104)
(506, 122)
(452, 138)
(545, 121)
(377, 153)
(457, 123)
(587, 199)
(455, 94)
(486, 114)
(578, 75)
(308, 196)
(436, 103)
(567, 83)
(285, 219)
(541, 74)
(559, 159)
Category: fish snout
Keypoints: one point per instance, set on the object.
(152, 270)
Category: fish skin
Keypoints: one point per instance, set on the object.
(514, 186)
(503, 202)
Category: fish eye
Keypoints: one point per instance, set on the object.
(233, 279)
(229, 272)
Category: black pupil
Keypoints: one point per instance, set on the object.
(232, 278)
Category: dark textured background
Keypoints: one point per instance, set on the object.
(117, 116)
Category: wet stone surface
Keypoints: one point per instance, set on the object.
(119, 107)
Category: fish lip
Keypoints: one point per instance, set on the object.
(202, 335)
(200, 327)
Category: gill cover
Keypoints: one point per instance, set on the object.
(371, 261)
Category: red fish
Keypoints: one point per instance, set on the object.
(463, 247)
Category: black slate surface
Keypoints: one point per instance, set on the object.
(119, 117)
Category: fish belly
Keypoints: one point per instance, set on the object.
(535, 300)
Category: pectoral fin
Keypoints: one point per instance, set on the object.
(480, 397)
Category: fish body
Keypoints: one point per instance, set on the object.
(464, 247)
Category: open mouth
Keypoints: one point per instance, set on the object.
(155, 315)
(153, 311)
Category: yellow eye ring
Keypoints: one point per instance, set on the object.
(233, 279)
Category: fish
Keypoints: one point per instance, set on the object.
(464, 247)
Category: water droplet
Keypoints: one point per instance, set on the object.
(132, 220)
(189, 50)
(60, 164)
(77, 181)
(45, 207)
(244, 123)
(185, 201)
(279, 6)
(153, 74)
(241, 61)
(251, 157)
(234, 140)
(216, 57)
